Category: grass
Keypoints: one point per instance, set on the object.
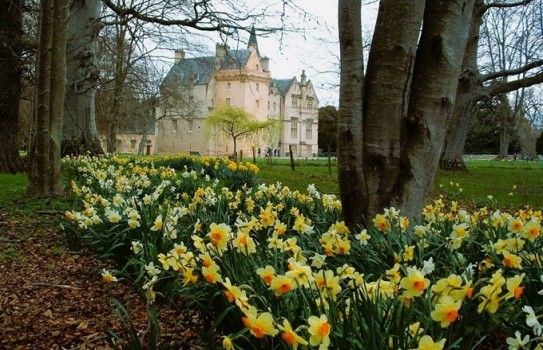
(510, 183)
(484, 178)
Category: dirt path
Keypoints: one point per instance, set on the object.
(51, 299)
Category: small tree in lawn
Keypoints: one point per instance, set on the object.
(237, 124)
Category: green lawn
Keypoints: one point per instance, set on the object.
(484, 178)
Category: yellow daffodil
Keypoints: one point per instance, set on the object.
(513, 287)
(227, 343)
(211, 274)
(219, 234)
(446, 311)
(319, 330)
(290, 336)
(282, 285)
(427, 343)
(381, 222)
(531, 230)
(512, 261)
(414, 283)
(108, 277)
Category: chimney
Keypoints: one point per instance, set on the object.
(303, 84)
(179, 55)
(220, 54)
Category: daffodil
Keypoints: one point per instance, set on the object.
(414, 283)
(446, 311)
(211, 274)
(220, 235)
(227, 343)
(381, 222)
(532, 230)
(244, 243)
(157, 226)
(290, 336)
(517, 342)
(282, 285)
(108, 277)
(512, 261)
(514, 287)
(319, 330)
(259, 325)
(427, 343)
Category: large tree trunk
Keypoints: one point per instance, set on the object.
(80, 134)
(390, 67)
(352, 187)
(467, 94)
(10, 83)
(433, 91)
(45, 166)
(121, 70)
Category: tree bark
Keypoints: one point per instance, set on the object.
(80, 134)
(433, 91)
(45, 164)
(352, 186)
(388, 76)
(466, 96)
(11, 26)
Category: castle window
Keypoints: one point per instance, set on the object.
(294, 101)
(257, 104)
(190, 125)
(309, 129)
(257, 87)
(310, 102)
(228, 86)
(293, 128)
(174, 125)
(227, 102)
(133, 144)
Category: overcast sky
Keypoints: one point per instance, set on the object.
(314, 49)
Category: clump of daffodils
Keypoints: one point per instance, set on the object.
(284, 268)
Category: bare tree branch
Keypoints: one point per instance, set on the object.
(516, 71)
(508, 86)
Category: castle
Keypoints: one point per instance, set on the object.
(242, 78)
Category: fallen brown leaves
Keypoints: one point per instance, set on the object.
(51, 299)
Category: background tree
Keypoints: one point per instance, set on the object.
(11, 25)
(503, 54)
(79, 132)
(328, 117)
(44, 152)
(237, 124)
(539, 144)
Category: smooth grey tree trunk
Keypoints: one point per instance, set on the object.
(352, 187)
(467, 94)
(45, 164)
(387, 83)
(80, 134)
(433, 91)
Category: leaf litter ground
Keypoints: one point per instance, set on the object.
(52, 299)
